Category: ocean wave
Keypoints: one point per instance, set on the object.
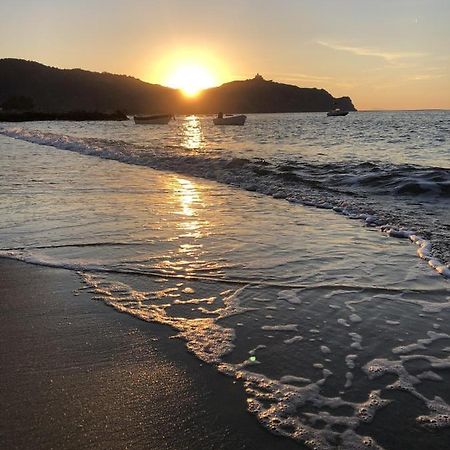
(375, 178)
(350, 188)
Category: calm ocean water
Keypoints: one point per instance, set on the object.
(241, 242)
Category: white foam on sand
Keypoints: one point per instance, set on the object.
(439, 410)
(293, 339)
(348, 380)
(343, 322)
(258, 347)
(287, 327)
(290, 296)
(290, 379)
(355, 318)
(424, 250)
(429, 306)
(357, 340)
(195, 301)
(421, 344)
(350, 361)
(208, 340)
(334, 306)
(275, 402)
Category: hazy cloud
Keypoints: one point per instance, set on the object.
(302, 76)
(365, 51)
(426, 76)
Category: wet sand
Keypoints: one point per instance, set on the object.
(77, 374)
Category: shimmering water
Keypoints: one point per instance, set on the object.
(420, 138)
(394, 166)
(337, 332)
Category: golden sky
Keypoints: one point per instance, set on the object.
(384, 54)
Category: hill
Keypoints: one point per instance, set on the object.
(60, 90)
(258, 95)
(56, 90)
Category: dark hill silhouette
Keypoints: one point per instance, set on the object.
(60, 90)
(53, 89)
(261, 96)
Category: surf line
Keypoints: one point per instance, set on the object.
(80, 269)
(425, 250)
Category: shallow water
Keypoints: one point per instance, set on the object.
(337, 332)
(419, 137)
(391, 166)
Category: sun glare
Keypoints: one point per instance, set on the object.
(190, 69)
(191, 79)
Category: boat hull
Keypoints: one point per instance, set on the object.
(231, 120)
(337, 113)
(152, 120)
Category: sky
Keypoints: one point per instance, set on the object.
(384, 54)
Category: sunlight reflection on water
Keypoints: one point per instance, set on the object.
(192, 133)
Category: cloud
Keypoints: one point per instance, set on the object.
(302, 76)
(364, 51)
(424, 77)
(319, 81)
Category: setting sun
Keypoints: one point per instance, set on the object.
(191, 79)
(190, 69)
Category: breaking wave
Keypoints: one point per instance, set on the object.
(399, 197)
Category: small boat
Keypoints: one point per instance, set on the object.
(337, 112)
(230, 120)
(155, 119)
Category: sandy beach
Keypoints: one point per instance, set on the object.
(77, 374)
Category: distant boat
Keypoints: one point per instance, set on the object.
(230, 120)
(155, 119)
(337, 112)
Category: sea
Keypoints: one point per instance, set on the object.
(305, 256)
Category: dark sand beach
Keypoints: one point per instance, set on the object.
(78, 374)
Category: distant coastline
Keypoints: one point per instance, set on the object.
(77, 116)
(67, 90)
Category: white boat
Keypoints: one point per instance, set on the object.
(337, 112)
(155, 119)
(230, 120)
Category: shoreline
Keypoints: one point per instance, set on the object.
(78, 374)
(73, 116)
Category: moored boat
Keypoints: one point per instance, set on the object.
(155, 119)
(230, 120)
(337, 112)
